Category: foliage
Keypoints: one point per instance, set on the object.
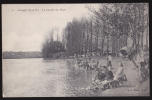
(108, 29)
(51, 47)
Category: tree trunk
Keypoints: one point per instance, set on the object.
(142, 36)
(87, 42)
(97, 39)
(91, 38)
(117, 47)
(113, 44)
(102, 45)
(147, 37)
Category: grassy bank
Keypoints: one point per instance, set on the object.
(130, 88)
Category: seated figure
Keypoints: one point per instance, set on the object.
(104, 75)
(120, 75)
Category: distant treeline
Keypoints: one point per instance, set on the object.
(18, 55)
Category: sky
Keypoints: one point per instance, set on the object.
(26, 26)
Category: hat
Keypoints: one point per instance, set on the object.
(123, 51)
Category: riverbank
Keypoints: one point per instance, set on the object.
(130, 88)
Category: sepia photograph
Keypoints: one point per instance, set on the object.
(75, 50)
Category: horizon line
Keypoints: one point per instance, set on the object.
(20, 51)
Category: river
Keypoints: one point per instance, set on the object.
(61, 78)
(43, 78)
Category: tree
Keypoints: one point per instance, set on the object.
(51, 47)
(121, 21)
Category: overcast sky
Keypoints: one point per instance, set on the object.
(25, 26)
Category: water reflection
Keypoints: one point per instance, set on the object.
(68, 78)
(77, 79)
(44, 78)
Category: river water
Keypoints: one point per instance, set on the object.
(43, 78)
(61, 78)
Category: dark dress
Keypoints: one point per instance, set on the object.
(101, 76)
(110, 75)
